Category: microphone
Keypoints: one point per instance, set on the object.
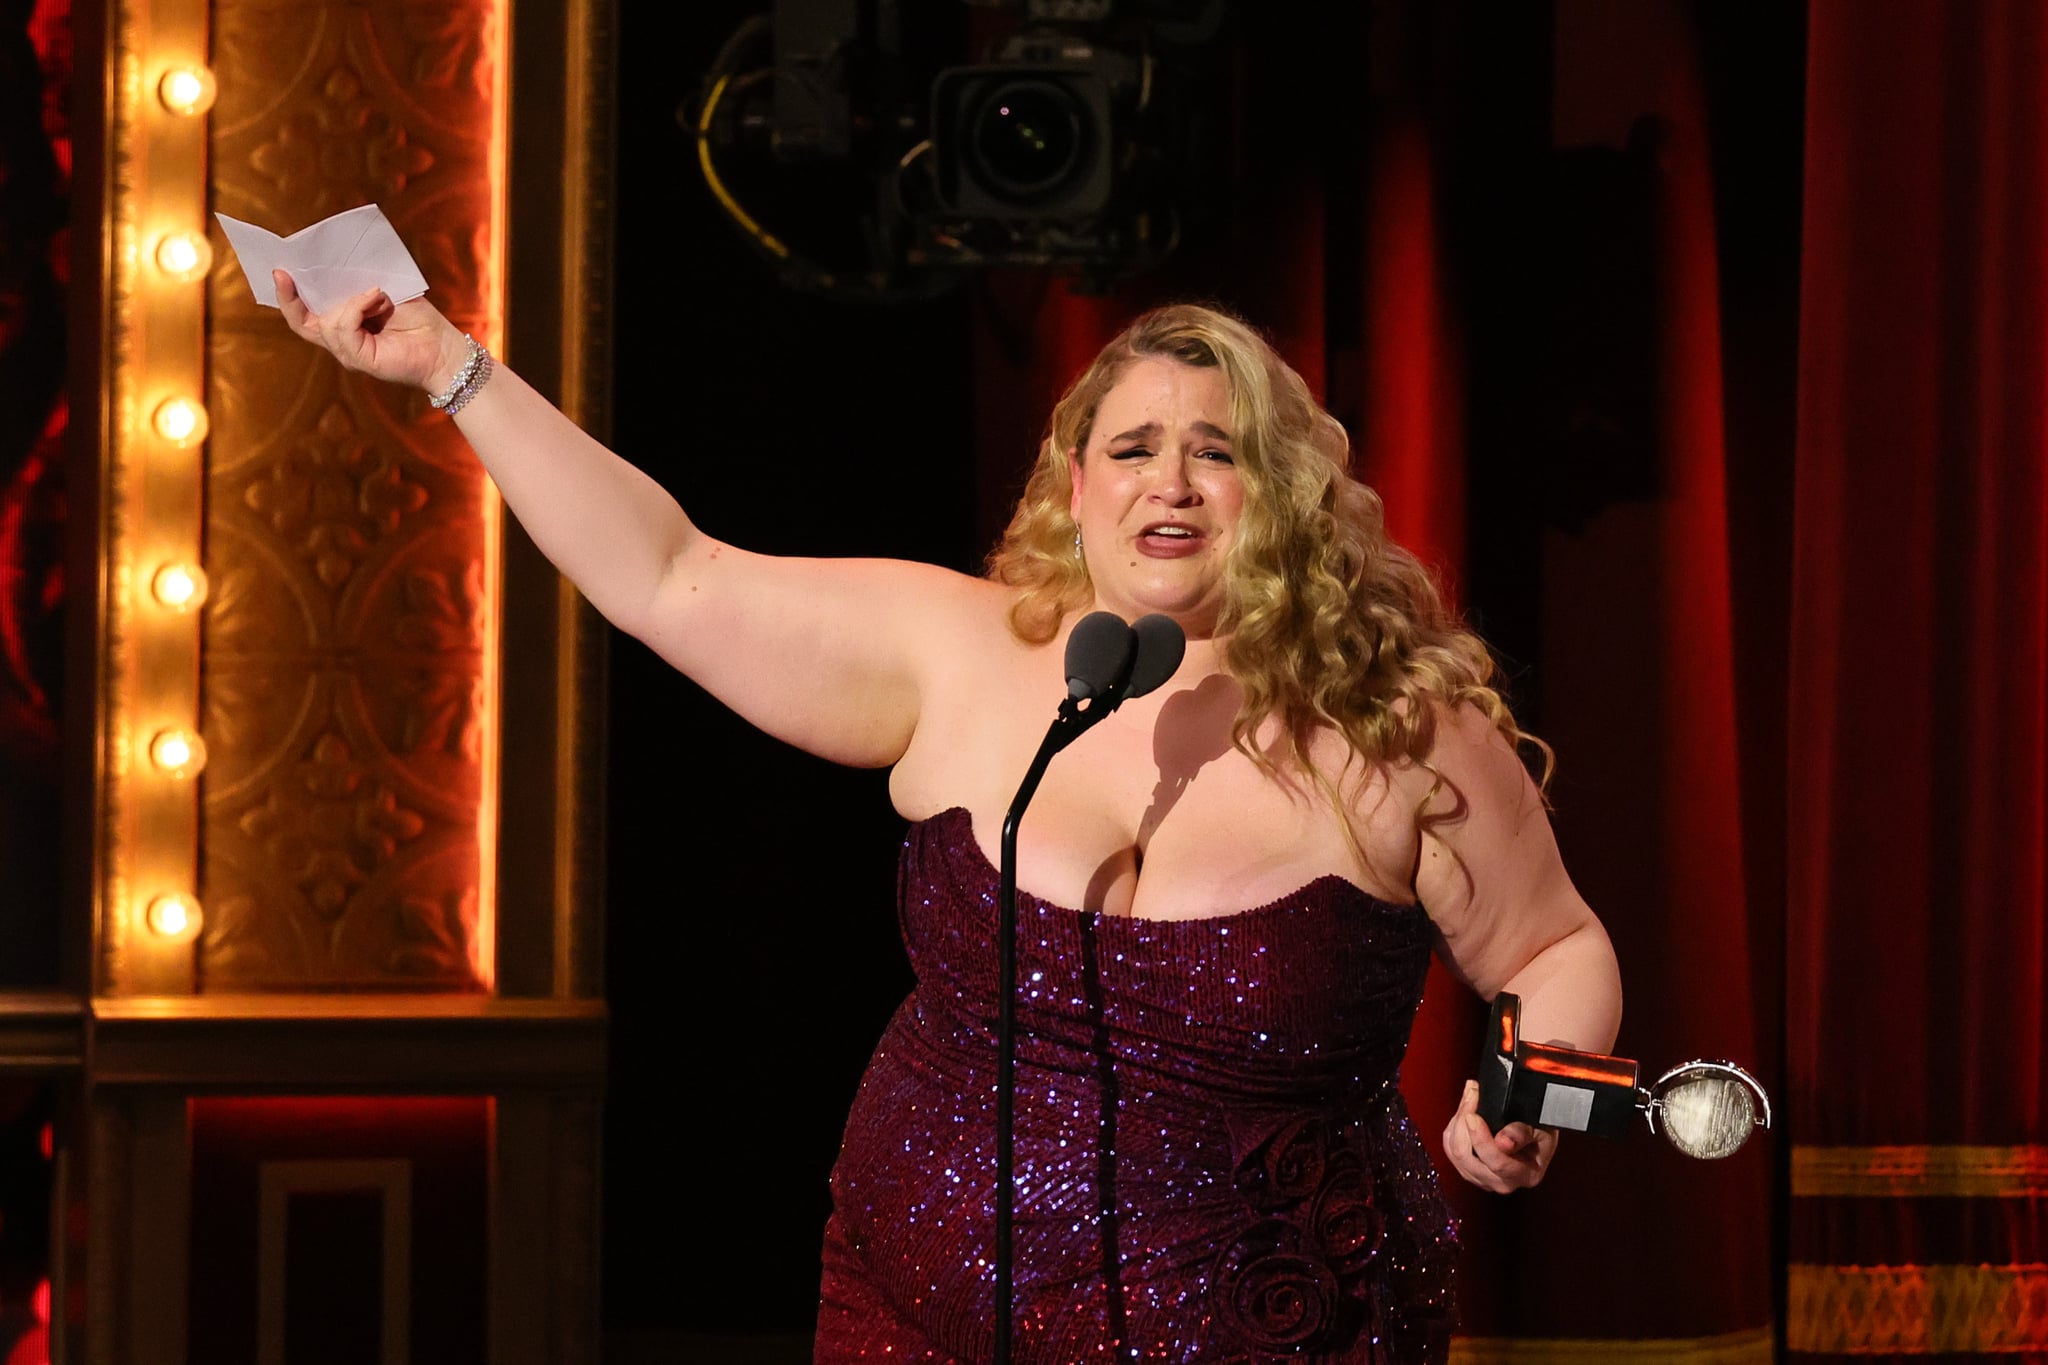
(1100, 655)
(1109, 662)
(1161, 646)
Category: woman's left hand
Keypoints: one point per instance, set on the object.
(1512, 1159)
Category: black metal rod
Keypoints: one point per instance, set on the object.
(1065, 730)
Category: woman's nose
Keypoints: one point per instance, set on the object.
(1171, 482)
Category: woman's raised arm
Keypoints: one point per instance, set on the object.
(829, 655)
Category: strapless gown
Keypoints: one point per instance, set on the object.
(1213, 1161)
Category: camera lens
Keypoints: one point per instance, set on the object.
(1028, 136)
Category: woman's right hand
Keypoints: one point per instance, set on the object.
(406, 343)
(1513, 1159)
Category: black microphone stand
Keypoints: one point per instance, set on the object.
(1107, 661)
(1069, 726)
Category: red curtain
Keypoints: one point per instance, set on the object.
(1629, 1248)
(1918, 776)
(1409, 449)
(35, 170)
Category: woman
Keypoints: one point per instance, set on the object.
(1231, 885)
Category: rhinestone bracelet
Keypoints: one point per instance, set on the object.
(476, 369)
(472, 385)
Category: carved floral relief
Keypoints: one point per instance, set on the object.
(344, 660)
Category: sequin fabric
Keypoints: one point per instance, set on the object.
(1213, 1162)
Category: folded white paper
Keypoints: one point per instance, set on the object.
(330, 262)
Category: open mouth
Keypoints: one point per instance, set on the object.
(1167, 539)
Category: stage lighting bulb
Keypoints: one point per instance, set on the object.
(184, 256)
(181, 421)
(172, 916)
(177, 753)
(181, 587)
(187, 91)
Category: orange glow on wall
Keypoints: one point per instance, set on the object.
(260, 1117)
(484, 942)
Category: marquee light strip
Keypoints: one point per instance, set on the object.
(153, 480)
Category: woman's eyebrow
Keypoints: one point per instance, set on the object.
(1151, 429)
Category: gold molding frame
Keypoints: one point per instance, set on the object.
(278, 1182)
(1917, 1309)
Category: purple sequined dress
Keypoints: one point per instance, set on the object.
(1213, 1161)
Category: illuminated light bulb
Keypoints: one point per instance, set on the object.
(181, 421)
(187, 91)
(172, 916)
(177, 753)
(184, 256)
(181, 587)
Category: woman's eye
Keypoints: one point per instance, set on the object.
(1133, 453)
(1219, 456)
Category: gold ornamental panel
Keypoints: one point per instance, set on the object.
(347, 668)
(1922, 1172)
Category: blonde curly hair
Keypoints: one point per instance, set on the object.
(1326, 623)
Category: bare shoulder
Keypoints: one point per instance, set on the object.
(1483, 822)
(958, 612)
(840, 657)
(1468, 760)
(986, 696)
(951, 624)
(964, 599)
(957, 628)
(1402, 808)
(1466, 793)
(897, 605)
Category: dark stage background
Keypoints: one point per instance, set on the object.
(751, 955)
(1701, 346)
(1507, 246)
